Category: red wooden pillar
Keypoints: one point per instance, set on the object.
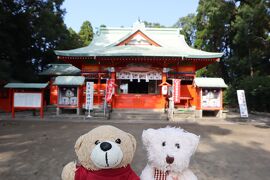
(113, 76)
(79, 96)
(164, 79)
(57, 97)
(9, 100)
(98, 89)
(42, 104)
(12, 104)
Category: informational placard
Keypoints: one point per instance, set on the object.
(242, 103)
(89, 102)
(109, 89)
(68, 96)
(27, 100)
(176, 90)
(211, 98)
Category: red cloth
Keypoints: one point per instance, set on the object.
(124, 173)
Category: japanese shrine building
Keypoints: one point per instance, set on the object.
(140, 60)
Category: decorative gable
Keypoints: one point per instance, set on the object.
(138, 39)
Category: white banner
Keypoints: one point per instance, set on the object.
(32, 100)
(139, 75)
(89, 95)
(242, 103)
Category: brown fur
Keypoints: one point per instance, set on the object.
(85, 144)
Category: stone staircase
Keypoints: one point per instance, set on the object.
(98, 112)
(180, 114)
(138, 114)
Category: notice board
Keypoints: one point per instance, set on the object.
(27, 100)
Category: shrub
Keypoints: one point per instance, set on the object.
(257, 91)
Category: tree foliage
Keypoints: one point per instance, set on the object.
(86, 33)
(250, 41)
(29, 32)
(188, 28)
(257, 91)
(152, 25)
(239, 29)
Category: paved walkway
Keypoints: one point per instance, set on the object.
(38, 149)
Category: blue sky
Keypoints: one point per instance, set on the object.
(116, 13)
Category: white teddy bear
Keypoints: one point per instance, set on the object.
(169, 151)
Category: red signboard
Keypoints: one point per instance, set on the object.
(110, 89)
(176, 90)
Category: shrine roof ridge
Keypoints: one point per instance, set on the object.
(109, 42)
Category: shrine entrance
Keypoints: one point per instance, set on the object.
(135, 87)
(138, 87)
(139, 90)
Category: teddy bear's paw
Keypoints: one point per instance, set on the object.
(68, 172)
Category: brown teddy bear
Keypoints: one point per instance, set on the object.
(103, 153)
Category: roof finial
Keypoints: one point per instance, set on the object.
(138, 24)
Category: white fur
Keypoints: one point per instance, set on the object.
(157, 153)
(108, 159)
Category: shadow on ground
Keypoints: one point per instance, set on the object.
(39, 150)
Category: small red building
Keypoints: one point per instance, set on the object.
(141, 62)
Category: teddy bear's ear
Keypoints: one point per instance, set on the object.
(147, 135)
(78, 143)
(194, 139)
(133, 140)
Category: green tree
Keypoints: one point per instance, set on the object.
(214, 23)
(152, 25)
(86, 33)
(250, 41)
(102, 26)
(239, 29)
(29, 32)
(71, 40)
(188, 28)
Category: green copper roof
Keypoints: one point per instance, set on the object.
(26, 85)
(60, 69)
(171, 41)
(210, 82)
(69, 80)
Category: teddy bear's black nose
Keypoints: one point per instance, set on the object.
(169, 159)
(105, 146)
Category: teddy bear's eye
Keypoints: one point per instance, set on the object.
(97, 142)
(177, 146)
(118, 141)
(164, 143)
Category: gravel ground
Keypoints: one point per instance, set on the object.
(31, 150)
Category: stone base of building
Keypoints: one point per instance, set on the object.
(209, 113)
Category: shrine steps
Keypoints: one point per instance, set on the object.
(183, 113)
(138, 114)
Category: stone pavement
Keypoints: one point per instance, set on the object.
(32, 149)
